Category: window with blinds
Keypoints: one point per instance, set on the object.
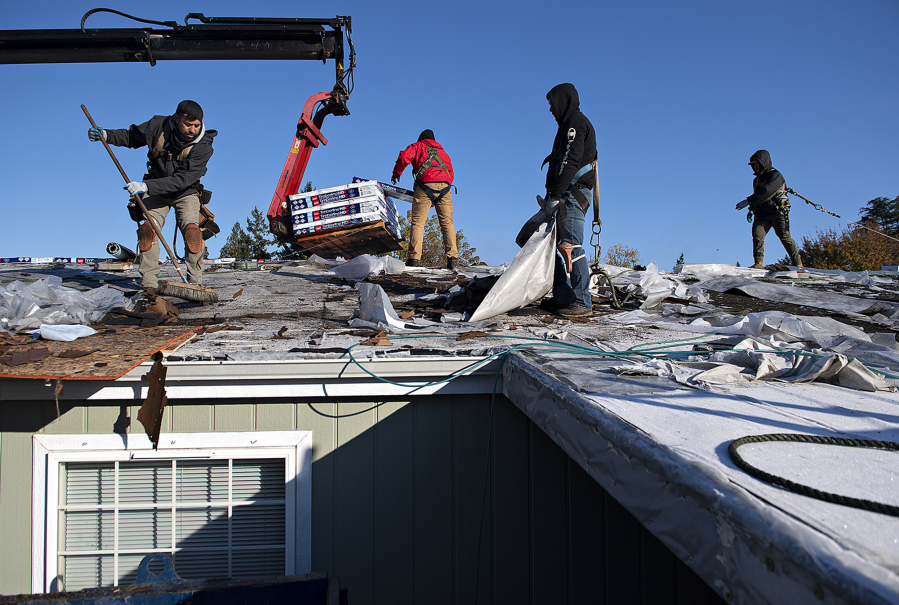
(217, 518)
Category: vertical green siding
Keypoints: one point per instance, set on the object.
(394, 543)
(17, 424)
(397, 500)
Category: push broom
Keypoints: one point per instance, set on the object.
(186, 290)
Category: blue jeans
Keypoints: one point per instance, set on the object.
(573, 289)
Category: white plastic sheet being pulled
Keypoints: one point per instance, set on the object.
(47, 301)
(528, 278)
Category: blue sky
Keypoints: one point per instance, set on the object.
(680, 94)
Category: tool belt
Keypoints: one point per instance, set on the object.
(207, 223)
(208, 226)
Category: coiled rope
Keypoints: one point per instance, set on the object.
(805, 490)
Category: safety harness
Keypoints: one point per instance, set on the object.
(158, 149)
(433, 161)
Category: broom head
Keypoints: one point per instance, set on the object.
(192, 292)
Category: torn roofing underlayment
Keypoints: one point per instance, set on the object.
(646, 397)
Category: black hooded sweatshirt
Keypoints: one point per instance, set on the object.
(171, 178)
(574, 145)
(766, 185)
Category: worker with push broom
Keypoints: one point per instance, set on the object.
(179, 148)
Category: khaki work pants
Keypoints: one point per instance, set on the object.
(421, 204)
(781, 222)
(187, 211)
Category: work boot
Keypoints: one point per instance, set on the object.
(552, 305)
(574, 311)
(758, 265)
(451, 263)
(411, 262)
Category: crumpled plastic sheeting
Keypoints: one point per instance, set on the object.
(317, 262)
(376, 312)
(47, 301)
(746, 363)
(483, 270)
(704, 271)
(657, 288)
(847, 348)
(361, 267)
(527, 279)
(651, 284)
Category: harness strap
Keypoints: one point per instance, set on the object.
(433, 155)
(433, 194)
(158, 148)
(575, 190)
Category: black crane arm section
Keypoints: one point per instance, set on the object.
(213, 38)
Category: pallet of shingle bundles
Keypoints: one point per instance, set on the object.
(349, 220)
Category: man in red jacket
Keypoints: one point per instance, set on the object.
(433, 180)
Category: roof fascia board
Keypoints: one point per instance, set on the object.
(320, 378)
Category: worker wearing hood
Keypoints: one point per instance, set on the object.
(569, 182)
(770, 207)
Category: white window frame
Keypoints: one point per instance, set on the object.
(50, 451)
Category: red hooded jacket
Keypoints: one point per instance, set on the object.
(417, 154)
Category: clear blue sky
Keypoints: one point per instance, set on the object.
(680, 94)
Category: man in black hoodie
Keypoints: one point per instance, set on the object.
(179, 148)
(771, 208)
(569, 181)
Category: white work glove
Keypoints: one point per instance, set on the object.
(94, 134)
(134, 187)
(742, 204)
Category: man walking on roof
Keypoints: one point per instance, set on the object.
(179, 148)
(770, 206)
(433, 180)
(569, 182)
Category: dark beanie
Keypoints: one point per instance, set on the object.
(191, 108)
(426, 134)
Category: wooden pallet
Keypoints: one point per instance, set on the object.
(350, 242)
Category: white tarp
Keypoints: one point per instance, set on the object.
(361, 267)
(528, 278)
(47, 301)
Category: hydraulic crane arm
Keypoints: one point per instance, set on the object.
(213, 38)
(223, 38)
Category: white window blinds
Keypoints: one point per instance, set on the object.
(222, 517)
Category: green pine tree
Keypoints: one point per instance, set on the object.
(257, 232)
(237, 245)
